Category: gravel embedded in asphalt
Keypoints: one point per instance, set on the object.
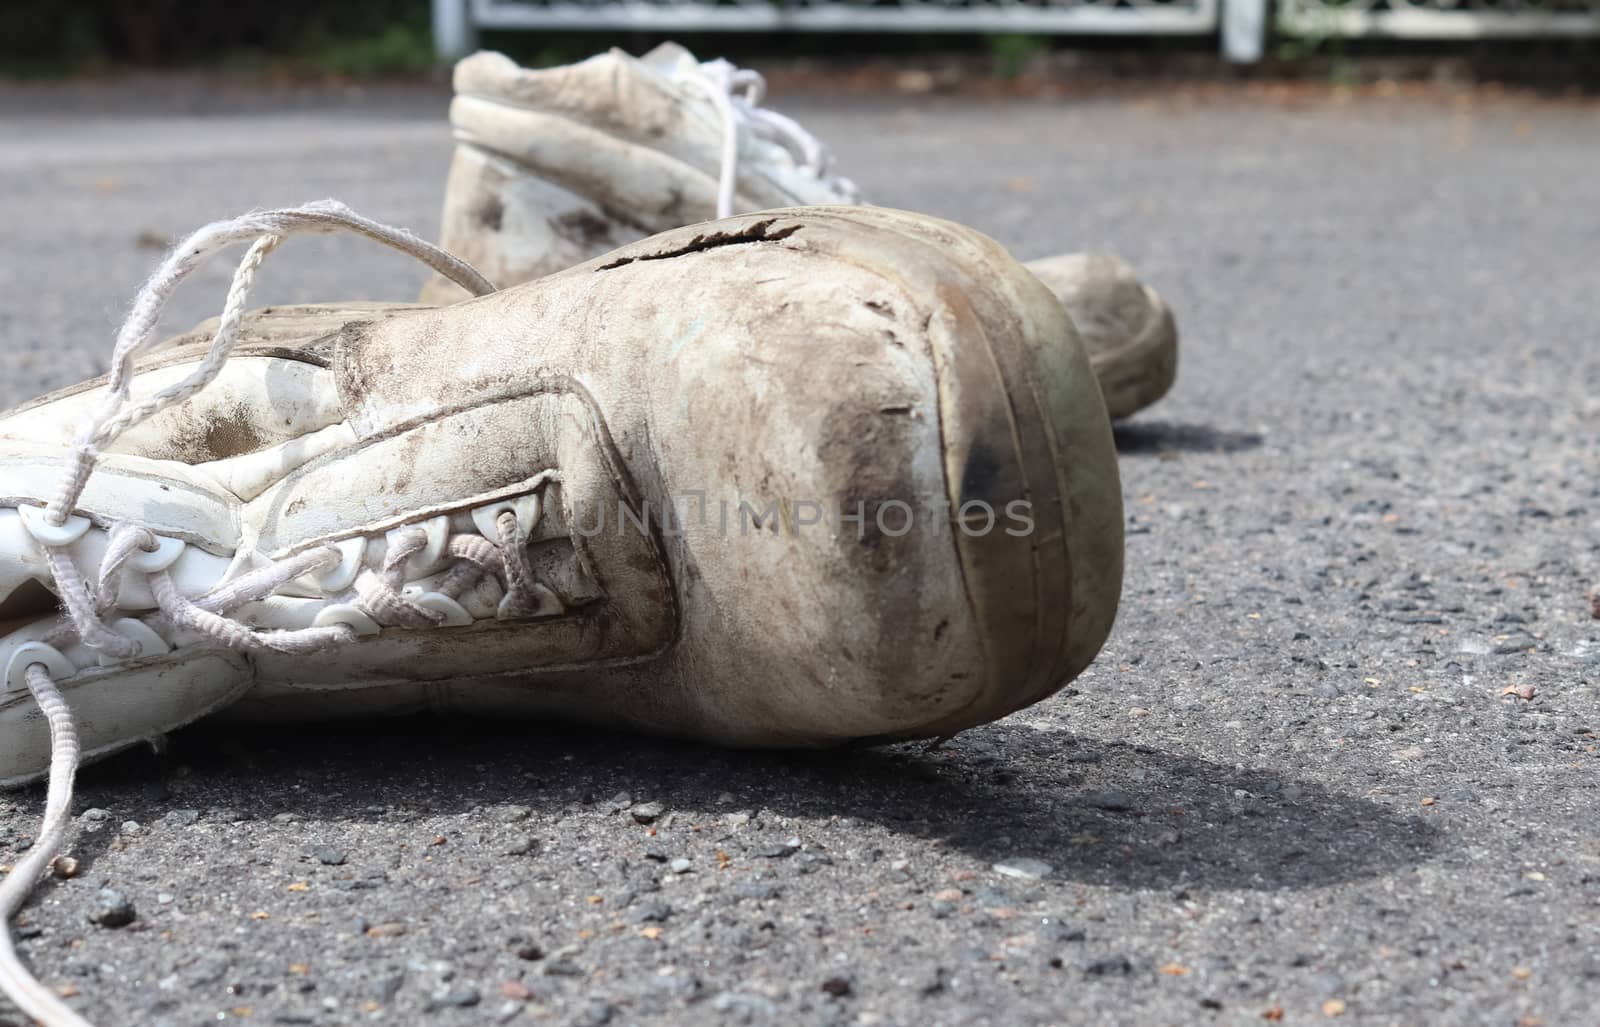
(1362, 540)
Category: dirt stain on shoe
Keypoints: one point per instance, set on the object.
(582, 228)
(490, 213)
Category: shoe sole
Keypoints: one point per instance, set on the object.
(1139, 372)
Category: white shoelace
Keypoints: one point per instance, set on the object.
(737, 94)
(86, 607)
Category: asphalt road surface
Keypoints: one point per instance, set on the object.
(1336, 764)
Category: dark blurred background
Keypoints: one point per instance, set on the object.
(318, 39)
(355, 37)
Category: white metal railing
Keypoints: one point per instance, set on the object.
(1440, 19)
(455, 21)
(1242, 26)
(1042, 16)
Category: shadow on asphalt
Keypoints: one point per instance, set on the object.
(1141, 437)
(1100, 812)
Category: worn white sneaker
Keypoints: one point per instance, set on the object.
(785, 479)
(1125, 324)
(556, 166)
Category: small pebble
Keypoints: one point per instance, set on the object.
(684, 987)
(329, 857)
(651, 912)
(563, 968)
(1108, 967)
(781, 850)
(755, 891)
(383, 989)
(646, 812)
(1114, 801)
(1028, 869)
(112, 909)
(838, 986)
(746, 1008)
(459, 998)
(679, 866)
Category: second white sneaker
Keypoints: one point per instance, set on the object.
(555, 166)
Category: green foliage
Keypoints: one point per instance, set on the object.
(355, 37)
(399, 49)
(1011, 52)
(1324, 36)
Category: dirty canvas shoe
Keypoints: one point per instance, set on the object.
(787, 479)
(556, 166)
(1126, 326)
